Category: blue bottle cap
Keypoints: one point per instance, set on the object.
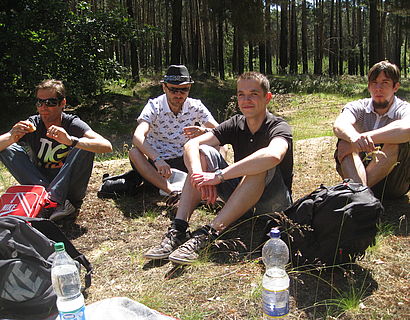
(274, 233)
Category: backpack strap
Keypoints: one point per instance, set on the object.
(53, 232)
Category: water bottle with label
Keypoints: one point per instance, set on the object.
(66, 282)
(275, 282)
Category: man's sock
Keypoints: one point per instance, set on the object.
(180, 225)
(209, 230)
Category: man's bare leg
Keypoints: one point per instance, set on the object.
(384, 163)
(352, 167)
(190, 196)
(245, 196)
(147, 171)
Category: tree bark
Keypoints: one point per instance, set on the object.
(284, 34)
(176, 42)
(268, 37)
(293, 51)
(304, 39)
(133, 48)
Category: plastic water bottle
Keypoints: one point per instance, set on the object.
(65, 278)
(275, 282)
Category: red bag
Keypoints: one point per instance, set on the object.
(25, 200)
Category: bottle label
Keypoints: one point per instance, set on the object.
(73, 315)
(275, 303)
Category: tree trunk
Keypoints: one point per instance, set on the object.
(176, 42)
(133, 48)
(318, 60)
(340, 47)
(332, 47)
(374, 34)
(241, 53)
(293, 51)
(221, 63)
(205, 32)
(304, 39)
(284, 35)
(360, 40)
(250, 55)
(262, 57)
(235, 51)
(268, 37)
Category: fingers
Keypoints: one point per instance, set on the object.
(193, 131)
(59, 134)
(365, 144)
(20, 129)
(208, 194)
(163, 169)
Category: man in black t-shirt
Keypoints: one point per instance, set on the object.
(260, 177)
(62, 149)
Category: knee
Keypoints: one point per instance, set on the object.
(344, 148)
(391, 151)
(135, 155)
(256, 179)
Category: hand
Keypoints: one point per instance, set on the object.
(208, 194)
(200, 179)
(163, 168)
(59, 134)
(194, 131)
(20, 129)
(363, 143)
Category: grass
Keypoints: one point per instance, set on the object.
(225, 284)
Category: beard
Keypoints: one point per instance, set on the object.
(380, 105)
(176, 103)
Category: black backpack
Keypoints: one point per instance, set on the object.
(26, 257)
(113, 187)
(331, 225)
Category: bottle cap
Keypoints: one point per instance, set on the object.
(274, 233)
(59, 246)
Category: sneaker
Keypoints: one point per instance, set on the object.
(172, 240)
(63, 211)
(189, 252)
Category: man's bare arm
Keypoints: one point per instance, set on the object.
(259, 161)
(394, 133)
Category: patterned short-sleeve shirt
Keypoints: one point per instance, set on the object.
(166, 129)
(366, 119)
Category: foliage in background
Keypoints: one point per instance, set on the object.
(44, 39)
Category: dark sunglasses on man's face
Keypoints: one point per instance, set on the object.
(49, 102)
(176, 90)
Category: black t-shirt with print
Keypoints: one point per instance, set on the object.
(235, 131)
(48, 152)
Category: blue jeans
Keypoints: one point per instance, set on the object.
(275, 197)
(68, 182)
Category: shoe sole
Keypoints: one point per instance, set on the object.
(181, 261)
(155, 257)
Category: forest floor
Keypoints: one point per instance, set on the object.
(226, 283)
(113, 234)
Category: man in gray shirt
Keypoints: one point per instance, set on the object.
(374, 136)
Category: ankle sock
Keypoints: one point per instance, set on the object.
(209, 230)
(180, 225)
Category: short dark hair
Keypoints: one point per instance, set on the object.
(261, 78)
(390, 69)
(53, 84)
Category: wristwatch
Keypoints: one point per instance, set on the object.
(220, 176)
(74, 141)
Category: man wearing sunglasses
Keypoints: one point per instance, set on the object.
(62, 149)
(164, 126)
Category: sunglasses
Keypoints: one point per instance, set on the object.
(176, 90)
(49, 102)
